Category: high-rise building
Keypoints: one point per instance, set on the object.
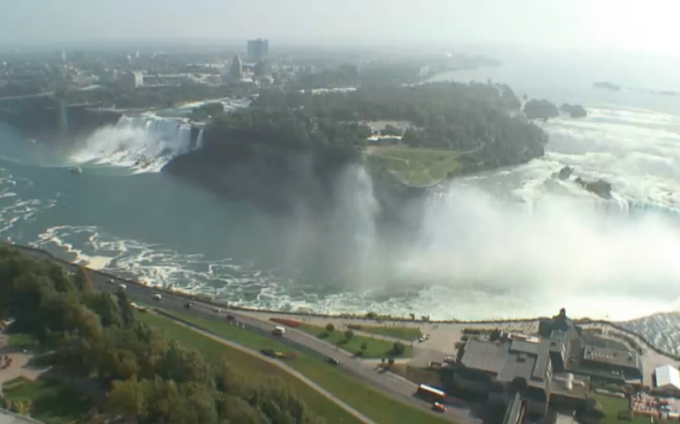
(236, 69)
(132, 79)
(258, 50)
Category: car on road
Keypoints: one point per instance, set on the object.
(110, 281)
(230, 317)
(122, 286)
(187, 305)
(438, 407)
(217, 310)
(157, 297)
(333, 361)
(279, 331)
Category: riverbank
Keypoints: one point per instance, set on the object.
(349, 318)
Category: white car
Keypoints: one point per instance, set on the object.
(157, 297)
(110, 281)
(122, 286)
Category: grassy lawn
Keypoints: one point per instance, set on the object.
(611, 406)
(21, 340)
(416, 166)
(403, 333)
(250, 365)
(51, 403)
(365, 399)
(375, 348)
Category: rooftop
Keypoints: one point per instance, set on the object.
(508, 360)
(615, 357)
(667, 376)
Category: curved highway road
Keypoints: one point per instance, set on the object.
(394, 386)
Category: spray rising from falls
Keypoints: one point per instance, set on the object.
(593, 261)
(142, 143)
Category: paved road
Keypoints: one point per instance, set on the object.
(7, 417)
(27, 96)
(394, 386)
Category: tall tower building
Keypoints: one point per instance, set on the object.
(236, 69)
(258, 50)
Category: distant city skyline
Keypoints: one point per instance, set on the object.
(620, 25)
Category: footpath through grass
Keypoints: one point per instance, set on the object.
(403, 333)
(369, 401)
(50, 402)
(249, 365)
(375, 348)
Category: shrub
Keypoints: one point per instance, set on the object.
(364, 346)
(398, 348)
(354, 327)
(330, 327)
(349, 334)
(625, 414)
(287, 322)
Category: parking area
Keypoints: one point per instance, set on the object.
(649, 405)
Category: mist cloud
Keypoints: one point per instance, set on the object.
(567, 249)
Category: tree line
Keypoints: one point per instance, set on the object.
(483, 119)
(95, 336)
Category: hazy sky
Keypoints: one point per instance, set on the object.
(649, 25)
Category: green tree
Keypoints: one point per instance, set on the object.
(398, 348)
(126, 398)
(364, 346)
(349, 334)
(235, 410)
(330, 327)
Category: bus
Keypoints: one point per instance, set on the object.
(431, 393)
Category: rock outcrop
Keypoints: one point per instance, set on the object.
(565, 173)
(575, 111)
(599, 187)
(540, 109)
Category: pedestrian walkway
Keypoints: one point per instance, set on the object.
(7, 417)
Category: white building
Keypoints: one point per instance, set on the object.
(667, 377)
(132, 79)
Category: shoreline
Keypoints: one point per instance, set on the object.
(580, 321)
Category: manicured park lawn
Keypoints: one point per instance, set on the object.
(51, 402)
(611, 406)
(250, 365)
(417, 166)
(21, 340)
(404, 333)
(375, 348)
(365, 399)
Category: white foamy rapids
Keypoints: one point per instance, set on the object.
(16, 210)
(142, 143)
(225, 279)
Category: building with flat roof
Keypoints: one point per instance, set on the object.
(620, 362)
(258, 50)
(132, 79)
(519, 365)
(554, 363)
(667, 377)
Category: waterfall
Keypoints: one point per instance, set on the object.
(144, 143)
(199, 139)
